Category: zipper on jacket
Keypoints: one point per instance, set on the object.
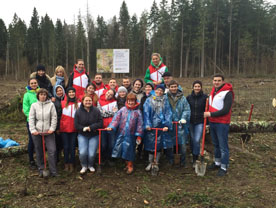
(42, 119)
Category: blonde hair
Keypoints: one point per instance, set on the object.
(53, 79)
(156, 54)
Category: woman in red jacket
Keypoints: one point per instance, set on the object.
(67, 128)
(90, 90)
(108, 107)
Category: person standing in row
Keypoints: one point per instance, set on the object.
(90, 90)
(67, 128)
(59, 78)
(28, 99)
(108, 107)
(43, 79)
(197, 101)
(181, 114)
(87, 120)
(157, 114)
(128, 125)
(79, 79)
(127, 84)
(219, 115)
(137, 89)
(121, 97)
(156, 69)
(100, 87)
(43, 120)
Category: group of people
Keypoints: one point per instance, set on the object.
(151, 118)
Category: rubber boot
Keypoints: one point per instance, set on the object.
(125, 168)
(129, 167)
(151, 156)
(195, 158)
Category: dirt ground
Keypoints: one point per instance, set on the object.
(250, 182)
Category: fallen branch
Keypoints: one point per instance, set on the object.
(253, 127)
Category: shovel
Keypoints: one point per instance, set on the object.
(45, 172)
(246, 137)
(99, 170)
(155, 168)
(176, 155)
(200, 166)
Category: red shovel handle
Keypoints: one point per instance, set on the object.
(155, 144)
(100, 139)
(251, 110)
(204, 129)
(44, 152)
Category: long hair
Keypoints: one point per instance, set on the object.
(53, 79)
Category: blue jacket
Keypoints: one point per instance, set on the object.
(180, 109)
(157, 114)
(128, 125)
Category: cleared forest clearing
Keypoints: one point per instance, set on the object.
(251, 180)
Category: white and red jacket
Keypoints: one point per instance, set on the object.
(156, 74)
(107, 109)
(99, 89)
(67, 117)
(216, 103)
(80, 81)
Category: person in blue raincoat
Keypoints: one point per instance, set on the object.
(128, 125)
(181, 112)
(157, 114)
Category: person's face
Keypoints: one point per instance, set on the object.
(217, 82)
(159, 92)
(131, 103)
(59, 92)
(109, 95)
(126, 83)
(155, 60)
(90, 90)
(87, 102)
(41, 73)
(33, 84)
(80, 64)
(112, 84)
(42, 97)
(167, 80)
(148, 89)
(137, 86)
(98, 79)
(197, 88)
(60, 73)
(173, 89)
(122, 94)
(71, 94)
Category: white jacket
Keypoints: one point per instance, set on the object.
(42, 117)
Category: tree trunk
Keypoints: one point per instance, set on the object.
(230, 38)
(216, 41)
(181, 50)
(7, 59)
(202, 52)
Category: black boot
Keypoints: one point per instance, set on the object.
(195, 158)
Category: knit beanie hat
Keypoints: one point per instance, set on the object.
(70, 88)
(150, 84)
(122, 89)
(161, 86)
(40, 67)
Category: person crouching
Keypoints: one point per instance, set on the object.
(128, 123)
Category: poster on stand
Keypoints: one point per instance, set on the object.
(112, 60)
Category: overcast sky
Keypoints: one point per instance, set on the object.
(66, 9)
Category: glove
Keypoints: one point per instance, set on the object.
(85, 129)
(138, 140)
(182, 121)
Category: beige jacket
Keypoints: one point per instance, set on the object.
(42, 117)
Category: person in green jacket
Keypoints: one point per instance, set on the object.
(155, 70)
(28, 99)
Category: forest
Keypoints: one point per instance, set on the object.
(196, 38)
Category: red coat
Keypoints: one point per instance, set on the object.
(67, 117)
(216, 103)
(99, 90)
(107, 105)
(80, 81)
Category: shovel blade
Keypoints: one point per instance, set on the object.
(177, 159)
(45, 173)
(154, 169)
(200, 168)
(99, 170)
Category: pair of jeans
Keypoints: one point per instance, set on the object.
(30, 145)
(50, 144)
(196, 134)
(107, 144)
(59, 145)
(87, 150)
(69, 146)
(219, 134)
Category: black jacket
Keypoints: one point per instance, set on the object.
(197, 105)
(58, 107)
(93, 119)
